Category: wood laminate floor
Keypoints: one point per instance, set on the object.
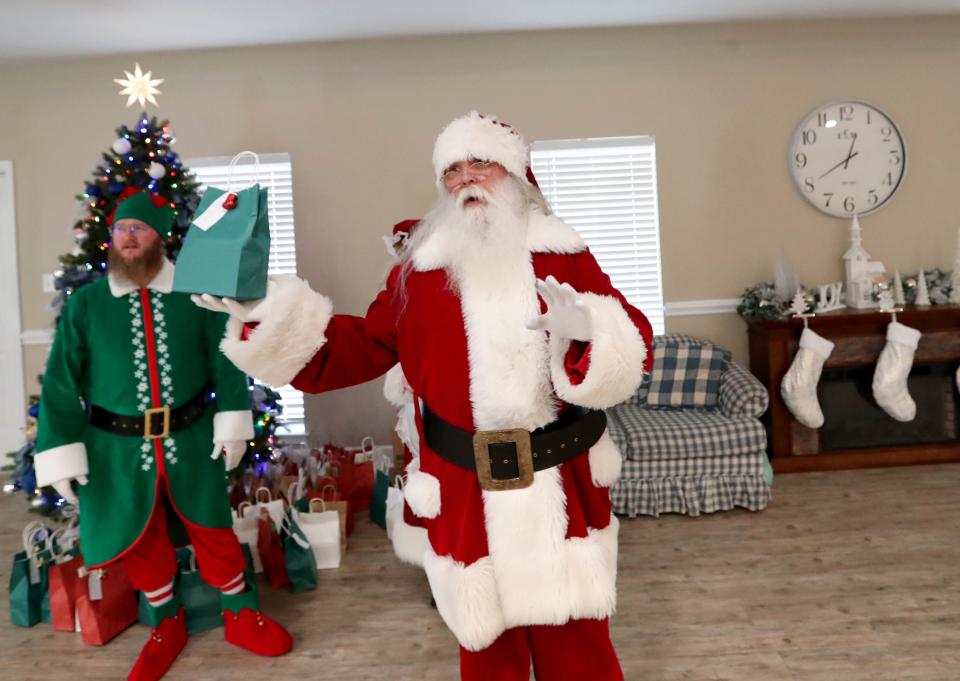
(847, 576)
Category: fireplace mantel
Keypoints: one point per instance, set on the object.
(859, 336)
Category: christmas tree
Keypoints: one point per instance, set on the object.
(141, 158)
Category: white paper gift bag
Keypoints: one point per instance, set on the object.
(246, 528)
(322, 529)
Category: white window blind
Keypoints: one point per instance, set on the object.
(276, 174)
(606, 188)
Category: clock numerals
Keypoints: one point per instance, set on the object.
(895, 158)
(808, 185)
(849, 205)
(809, 137)
(829, 196)
(801, 159)
(868, 117)
(888, 180)
(887, 133)
(822, 118)
(846, 113)
(872, 198)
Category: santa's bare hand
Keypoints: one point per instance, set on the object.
(567, 314)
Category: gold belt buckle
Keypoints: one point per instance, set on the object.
(481, 453)
(147, 433)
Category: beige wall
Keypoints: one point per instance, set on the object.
(359, 119)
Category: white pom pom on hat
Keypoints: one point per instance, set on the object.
(480, 137)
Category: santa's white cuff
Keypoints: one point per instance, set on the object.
(286, 339)
(605, 461)
(904, 335)
(61, 463)
(230, 426)
(422, 494)
(816, 343)
(617, 354)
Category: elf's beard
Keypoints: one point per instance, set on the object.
(139, 269)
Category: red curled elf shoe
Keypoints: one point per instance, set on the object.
(246, 627)
(166, 642)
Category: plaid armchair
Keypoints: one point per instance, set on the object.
(691, 437)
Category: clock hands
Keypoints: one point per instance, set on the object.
(849, 152)
(843, 163)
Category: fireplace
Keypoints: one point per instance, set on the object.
(852, 419)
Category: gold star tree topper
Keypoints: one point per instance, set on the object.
(139, 86)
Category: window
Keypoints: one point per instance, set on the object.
(276, 175)
(606, 188)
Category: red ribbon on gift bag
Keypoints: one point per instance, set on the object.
(271, 553)
(106, 606)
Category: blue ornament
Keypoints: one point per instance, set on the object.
(93, 190)
(115, 187)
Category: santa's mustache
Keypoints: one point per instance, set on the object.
(473, 192)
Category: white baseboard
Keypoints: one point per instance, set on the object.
(37, 337)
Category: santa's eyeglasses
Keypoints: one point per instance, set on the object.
(473, 166)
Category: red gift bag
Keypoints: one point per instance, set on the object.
(354, 470)
(106, 606)
(271, 553)
(66, 586)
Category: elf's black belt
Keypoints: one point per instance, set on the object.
(153, 423)
(507, 459)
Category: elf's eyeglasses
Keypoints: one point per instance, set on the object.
(132, 228)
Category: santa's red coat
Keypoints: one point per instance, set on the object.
(540, 555)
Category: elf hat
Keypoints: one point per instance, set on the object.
(483, 138)
(154, 210)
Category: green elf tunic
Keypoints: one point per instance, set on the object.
(127, 350)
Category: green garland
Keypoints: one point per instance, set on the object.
(761, 301)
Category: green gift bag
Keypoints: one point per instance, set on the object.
(29, 578)
(378, 503)
(301, 565)
(201, 602)
(227, 249)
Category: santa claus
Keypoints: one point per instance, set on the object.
(513, 341)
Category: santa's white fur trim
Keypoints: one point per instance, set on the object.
(289, 335)
(467, 599)
(478, 602)
(233, 425)
(61, 463)
(617, 353)
(422, 494)
(395, 387)
(606, 461)
(410, 542)
(483, 138)
(550, 234)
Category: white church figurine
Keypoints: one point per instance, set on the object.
(861, 271)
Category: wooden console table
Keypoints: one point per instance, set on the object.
(859, 336)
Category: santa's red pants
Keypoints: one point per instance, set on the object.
(152, 563)
(579, 650)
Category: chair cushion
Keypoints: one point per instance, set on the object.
(685, 375)
(654, 434)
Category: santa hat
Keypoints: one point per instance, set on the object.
(151, 209)
(401, 232)
(483, 138)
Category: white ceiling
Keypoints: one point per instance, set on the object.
(45, 28)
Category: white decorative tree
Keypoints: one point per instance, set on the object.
(799, 304)
(898, 297)
(923, 297)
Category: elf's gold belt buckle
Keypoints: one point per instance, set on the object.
(482, 456)
(148, 415)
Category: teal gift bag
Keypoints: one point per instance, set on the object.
(301, 565)
(378, 503)
(227, 249)
(29, 578)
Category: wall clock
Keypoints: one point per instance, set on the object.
(847, 157)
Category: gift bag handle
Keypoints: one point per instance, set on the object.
(367, 445)
(256, 494)
(323, 504)
(287, 527)
(400, 482)
(235, 161)
(31, 543)
(323, 492)
(242, 508)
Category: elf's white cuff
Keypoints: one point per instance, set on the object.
(231, 426)
(617, 353)
(904, 335)
(422, 494)
(61, 463)
(291, 332)
(816, 343)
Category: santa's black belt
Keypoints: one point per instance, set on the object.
(153, 423)
(507, 459)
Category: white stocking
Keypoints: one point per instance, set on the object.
(799, 386)
(893, 367)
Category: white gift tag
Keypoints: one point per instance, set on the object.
(212, 215)
(34, 569)
(95, 586)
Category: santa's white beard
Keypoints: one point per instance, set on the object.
(493, 229)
